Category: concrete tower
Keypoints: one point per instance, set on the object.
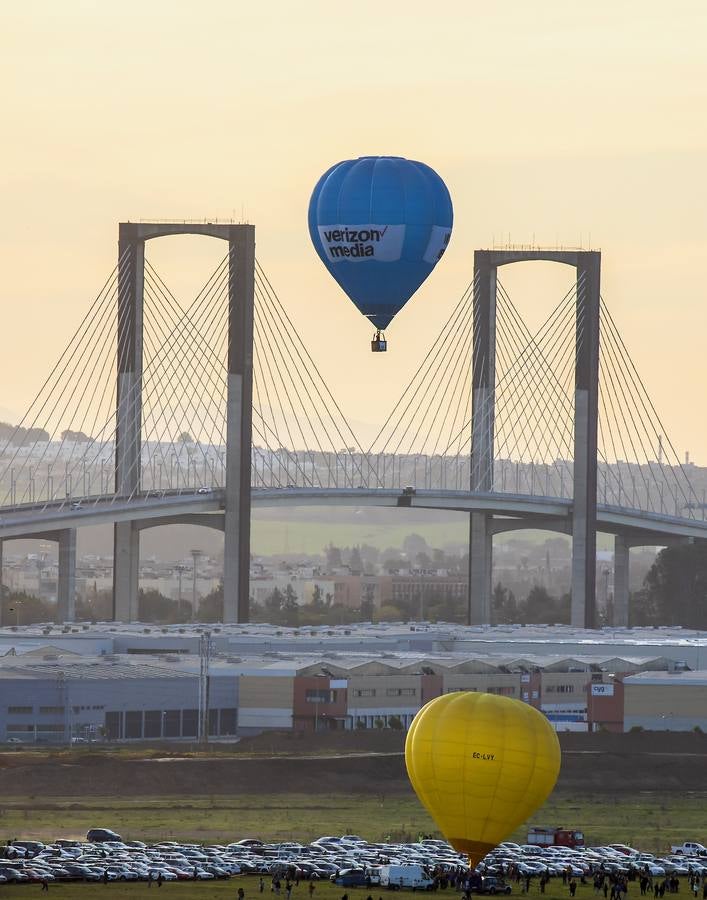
(131, 264)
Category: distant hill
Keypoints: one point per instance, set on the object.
(21, 437)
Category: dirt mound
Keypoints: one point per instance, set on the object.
(362, 741)
(204, 776)
(347, 763)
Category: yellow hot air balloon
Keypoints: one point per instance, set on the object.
(480, 764)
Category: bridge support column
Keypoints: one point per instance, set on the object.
(2, 584)
(483, 374)
(66, 586)
(239, 415)
(621, 572)
(131, 286)
(126, 564)
(480, 568)
(586, 410)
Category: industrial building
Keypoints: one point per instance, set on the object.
(126, 683)
(679, 644)
(48, 698)
(665, 701)
(142, 682)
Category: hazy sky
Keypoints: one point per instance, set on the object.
(549, 119)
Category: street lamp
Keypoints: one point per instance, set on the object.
(181, 569)
(195, 555)
(608, 603)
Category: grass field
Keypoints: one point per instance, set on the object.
(187, 890)
(648, 820)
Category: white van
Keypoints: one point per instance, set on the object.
(409, 877)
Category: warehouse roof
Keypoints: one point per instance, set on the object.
(86, 669)
(663, 679)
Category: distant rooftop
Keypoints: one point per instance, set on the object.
(692, 679)
(491, 634)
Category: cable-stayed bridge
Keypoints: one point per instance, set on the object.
(158, 413)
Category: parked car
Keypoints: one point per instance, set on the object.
(98, 835)
(398, 877)
(350, 878)
(492, 885)
(690, 848)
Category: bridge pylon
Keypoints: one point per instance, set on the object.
(587, 264)
(131, 265)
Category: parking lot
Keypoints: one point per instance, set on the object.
(346, 861)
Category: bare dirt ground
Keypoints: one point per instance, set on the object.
(333, 763)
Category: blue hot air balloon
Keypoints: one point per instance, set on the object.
(379, 225)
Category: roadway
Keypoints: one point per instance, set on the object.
(511, 511)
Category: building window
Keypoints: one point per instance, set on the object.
(113, 725)
(172, 723)
(50, 727)
(400, 692)
(229, 721)
(153, 723)
(20, 710)
(190, 721)
(365, 692)
(133, 723)
(320, 695)
(505, 690)
(51, 710)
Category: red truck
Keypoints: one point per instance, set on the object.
(556, 837)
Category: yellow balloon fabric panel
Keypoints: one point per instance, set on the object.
(481, 764)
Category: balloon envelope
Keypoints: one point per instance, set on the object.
(379, 225)
(481, 764)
